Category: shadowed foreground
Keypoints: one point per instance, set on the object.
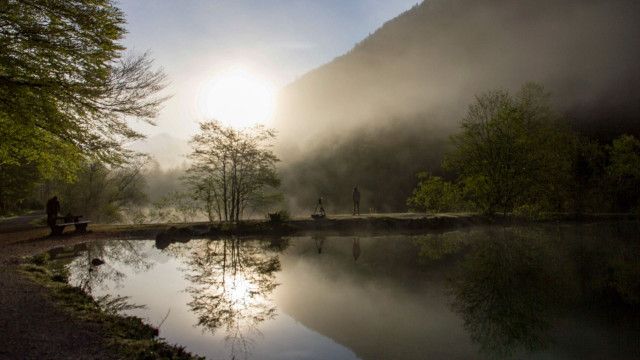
(34, 328)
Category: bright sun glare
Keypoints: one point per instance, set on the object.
(238, 98)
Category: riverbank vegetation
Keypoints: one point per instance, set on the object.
(515, 154)
(65, 116)
(128, 336)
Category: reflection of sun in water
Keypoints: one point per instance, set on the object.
(237, 97)
(240, 289)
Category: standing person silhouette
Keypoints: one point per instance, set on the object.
(356, 200)
(319, 210)
(53, 208)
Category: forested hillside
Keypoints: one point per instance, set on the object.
(385, 110)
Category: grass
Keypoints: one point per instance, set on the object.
(127, 336)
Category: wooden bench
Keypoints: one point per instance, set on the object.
(81, 226)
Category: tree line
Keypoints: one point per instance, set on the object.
(515, 154)
(68, 91)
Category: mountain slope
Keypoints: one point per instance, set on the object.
(418, 73)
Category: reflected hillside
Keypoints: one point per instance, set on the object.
(518, 292)
(384, 305)
(383, 111)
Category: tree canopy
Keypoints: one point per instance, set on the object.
(515, 154)
(510, 151)
(67, 89)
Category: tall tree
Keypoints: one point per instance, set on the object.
(513, 151)
(66, 89)
(232, 169)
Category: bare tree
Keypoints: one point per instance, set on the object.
(232, 169)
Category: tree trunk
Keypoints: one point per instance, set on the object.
(225, 201)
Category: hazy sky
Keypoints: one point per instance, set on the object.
(279, 40)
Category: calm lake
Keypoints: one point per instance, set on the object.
(541, 292)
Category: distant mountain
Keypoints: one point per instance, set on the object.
(383, 111)
(167, 150)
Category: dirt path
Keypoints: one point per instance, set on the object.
(31, 325)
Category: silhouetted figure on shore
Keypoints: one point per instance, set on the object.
(319, 210)
(53, 208)
(356, 201)
(356, 248)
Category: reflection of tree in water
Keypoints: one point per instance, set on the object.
(513, 283)
(231, 283)
(435, 247)
(505, 292)
(125, 252)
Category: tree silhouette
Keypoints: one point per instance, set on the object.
(232, 169)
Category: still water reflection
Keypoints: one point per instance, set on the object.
(537, 292)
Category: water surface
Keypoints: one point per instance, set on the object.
(542, 292)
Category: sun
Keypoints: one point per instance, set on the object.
(238, 98)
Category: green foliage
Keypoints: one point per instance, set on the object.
(436, 195)
(40, 259)
(102, 193)
(624, 171)
(625, 157)
(588, 182)
(117, 304)
(512, 151)
(66, 90)
(436, 247)
(530, 212)
(514, 155)
(279, 216)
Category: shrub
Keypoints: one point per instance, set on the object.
(436, 195)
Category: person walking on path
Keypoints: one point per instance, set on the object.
(53, 208)
(356, 200)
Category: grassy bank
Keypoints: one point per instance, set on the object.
(127, 336)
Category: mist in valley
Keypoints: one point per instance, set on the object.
(384, 112)
(381, 113)
(465, 177)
